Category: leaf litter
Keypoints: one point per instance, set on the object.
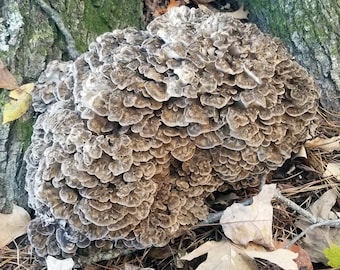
(320, 238)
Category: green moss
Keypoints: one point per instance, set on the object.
(109, 15)
(87, 19)
(3, 98)
(23, 128)
(97, 19)
(104, 16)
(40, 35)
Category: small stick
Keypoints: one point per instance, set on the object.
(316, 221)
(292, 205)
(331, 223)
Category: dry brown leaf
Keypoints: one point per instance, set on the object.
(7, 80)
(281, 257)
(316, 240)
(222, 255)
(323, 206)
(55, 264)
(303, 260)
(326, 144)
(13, 225)
(332, 169)
(252, 223)
(225, 255)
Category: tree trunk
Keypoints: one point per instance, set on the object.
(30, 37)
(311, 31)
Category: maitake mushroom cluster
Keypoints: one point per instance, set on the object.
(137, 131)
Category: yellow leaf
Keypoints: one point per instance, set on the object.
(333, 255)
(16, 108)
(22, 91)
(13, 225)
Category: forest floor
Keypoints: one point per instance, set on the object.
(302, 180)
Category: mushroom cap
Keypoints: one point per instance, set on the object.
(136, 132)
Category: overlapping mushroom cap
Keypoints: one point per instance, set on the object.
(137, 131)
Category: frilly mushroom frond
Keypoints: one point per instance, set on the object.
(135, 133)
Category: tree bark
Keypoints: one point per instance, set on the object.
(311, 31)
(30, 37)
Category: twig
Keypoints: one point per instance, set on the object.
(331, 223)
(71, 47)
(292, 205)
(316, 221)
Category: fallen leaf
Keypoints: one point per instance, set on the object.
(252, 223)
(332, 169)
(323, 206)
(55, 264)
(326, 144)
(225, 255)
(333, 255)
(22, 91)
(323, 236)
(281, 257)
(13, 225)
(16, 108)
(303, 260)
(7, 80)
(222, 255)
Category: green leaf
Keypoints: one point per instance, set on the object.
(333, 255)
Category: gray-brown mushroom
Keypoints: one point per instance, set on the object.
(139, 130)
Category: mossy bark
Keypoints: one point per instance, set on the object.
(310, 29)
(29, 39)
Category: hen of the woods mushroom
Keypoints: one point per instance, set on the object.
(136, 132)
